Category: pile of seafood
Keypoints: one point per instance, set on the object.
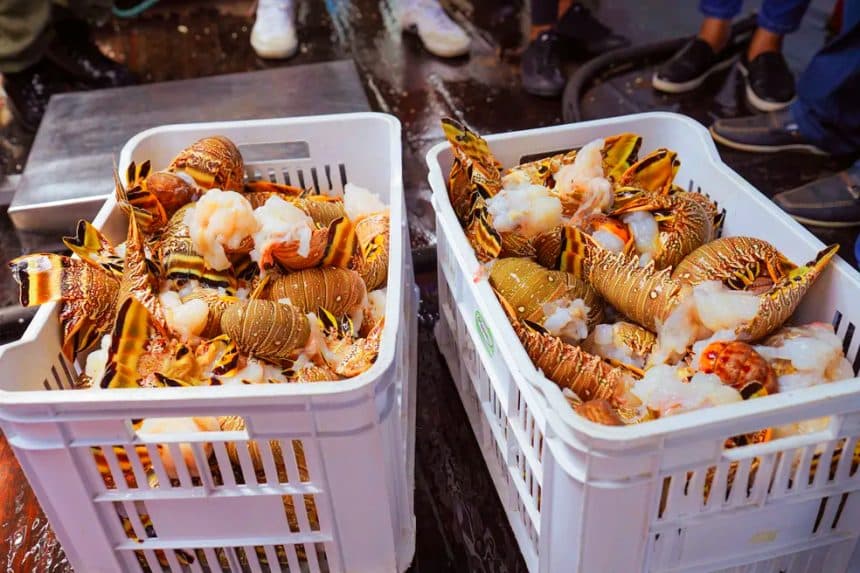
(219, 282)
(623, 292)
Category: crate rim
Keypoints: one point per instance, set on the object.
(826, 398)
(247, 395)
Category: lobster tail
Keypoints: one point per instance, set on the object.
(782, 300)
(472, 145)
(588, 376)
(88, 294)
(140, 204)
(135, 174)
(41, 278)
(600, 412)
(655, 172)
(372, 234)
(619, 153)
(128, 343)
(90, 245)
(564, 248)
(341, 243)
(574, 251)
(484, 238)
(276, 188)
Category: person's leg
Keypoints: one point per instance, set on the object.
(540, 63)
(24, 33)
(770, 83)
(582, 35)
(776, 19)
(274, 32)
(544, 15)
(825, 118)
(440, 34)
(717, 25)
(827, 111)
(703, 55)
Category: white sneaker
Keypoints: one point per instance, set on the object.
(274, 33)
(438, 32)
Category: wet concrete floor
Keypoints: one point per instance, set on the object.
(461, 525)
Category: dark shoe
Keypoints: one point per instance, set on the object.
(540, 66)
(73, 51)
(583, 35)
(764, 133)
(770, 84)
(29, 90)
(690, 67)
(830, 202)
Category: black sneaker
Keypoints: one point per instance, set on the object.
(540, 66)
(584, 36)
(764, 133)
(770, 84)
(830, 202)
(73, 50)
(690, 67)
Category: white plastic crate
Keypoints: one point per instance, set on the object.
(585, 497)
(356, 436)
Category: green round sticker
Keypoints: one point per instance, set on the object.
(484, 332)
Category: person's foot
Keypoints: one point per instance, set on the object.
(274, 33)
(28, 91)
(73, 51)
(583, 35)
(770, 84)
(763, 133)
(440, 35)
(690, 67)
(830, 202)
(540, 66)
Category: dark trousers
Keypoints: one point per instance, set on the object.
(25, 28)
(827, 109)
(777, 16)
(544, 12)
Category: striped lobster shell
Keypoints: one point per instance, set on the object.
(266, 329)
(339, 291)
(213, 163)
(526, 287)
(588, 376)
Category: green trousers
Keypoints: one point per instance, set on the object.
(24, 33)
(26, 28)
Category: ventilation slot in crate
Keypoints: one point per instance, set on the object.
(326, 179)
(815, 466)
(62, 377)
(210, 464)
(714, 488)
(285, 558)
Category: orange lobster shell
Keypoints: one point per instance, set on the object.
(738, 365)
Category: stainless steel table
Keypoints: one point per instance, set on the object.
(68, 173)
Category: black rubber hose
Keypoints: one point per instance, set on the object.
(625, 58)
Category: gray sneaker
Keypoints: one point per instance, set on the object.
(830, 202)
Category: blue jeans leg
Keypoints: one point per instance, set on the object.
(782, 16)
(827, 111)
(544, 12)
(722, 9)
